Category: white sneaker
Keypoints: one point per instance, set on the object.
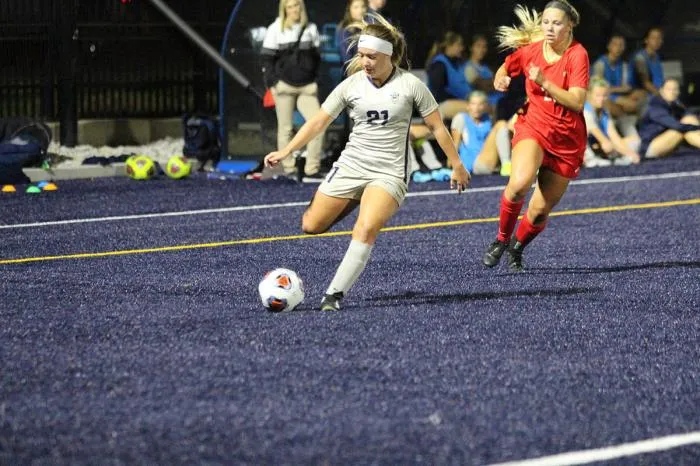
(595, 161)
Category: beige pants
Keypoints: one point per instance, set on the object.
(287, 99)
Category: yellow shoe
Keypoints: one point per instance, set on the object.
(505, 168)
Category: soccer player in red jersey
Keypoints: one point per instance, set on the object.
(550, 132)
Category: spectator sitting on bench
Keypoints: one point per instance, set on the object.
(667, 123)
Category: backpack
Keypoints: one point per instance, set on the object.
(201, 139)
(23, 143)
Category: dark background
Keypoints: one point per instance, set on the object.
(68, 59)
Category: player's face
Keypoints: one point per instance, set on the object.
(655, 39)
(358, 10)
(479, 49)
(616, 47)
(555, 25)
(598, 96)
(477, 106)
(376, 65)
(293, 10)
(670, 91)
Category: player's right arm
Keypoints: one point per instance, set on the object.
(501, 80)
(312, 128)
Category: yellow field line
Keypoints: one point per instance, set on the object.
(418, 226)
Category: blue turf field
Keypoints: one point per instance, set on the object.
(117, 351)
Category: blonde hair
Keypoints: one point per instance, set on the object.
(598, 82)
(284, 21)
(530, 29)
(448, 39)
(382, 29)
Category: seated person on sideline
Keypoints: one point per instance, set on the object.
(475, 136)
(479, 75)
(603, 137)
(612, 68)
(667, 123)
(446, 78)
(645, 70)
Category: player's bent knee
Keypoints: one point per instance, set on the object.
(364, 233)
(313, 227)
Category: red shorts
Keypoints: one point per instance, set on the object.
(568, 165)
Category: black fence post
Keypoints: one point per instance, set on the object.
(65, 13)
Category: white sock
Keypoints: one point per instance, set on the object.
(503, 144)
(350, 268)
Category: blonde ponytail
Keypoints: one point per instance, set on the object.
(529, 31)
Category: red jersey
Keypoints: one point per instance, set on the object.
(559, 130)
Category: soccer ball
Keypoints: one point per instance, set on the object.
(178, 167)
(140, 167)
(281, 290)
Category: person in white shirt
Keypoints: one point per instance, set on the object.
(372, 170)
(291, 58)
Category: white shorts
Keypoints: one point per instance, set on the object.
(346, 183)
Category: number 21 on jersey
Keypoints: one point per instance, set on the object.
(380, 117)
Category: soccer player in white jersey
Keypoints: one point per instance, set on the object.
(372, 170)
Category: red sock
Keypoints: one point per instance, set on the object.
(509, 215)
(527, 231)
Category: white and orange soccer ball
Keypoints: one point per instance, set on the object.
(178, 167)
(281, 290)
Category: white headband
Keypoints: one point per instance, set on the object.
(375, 43)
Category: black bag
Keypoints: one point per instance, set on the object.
(23, 143)
(201, 139)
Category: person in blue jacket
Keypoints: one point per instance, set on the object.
(667, 123)
(645, 70)
(613, 69)
(479, 75)
(446, 78)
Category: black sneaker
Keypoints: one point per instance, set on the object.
(331, 302)
(493, 253)
(317, 177)
(515, 256)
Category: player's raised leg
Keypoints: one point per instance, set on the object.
(376, 208)
(324, 212)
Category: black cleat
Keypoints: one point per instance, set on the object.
(493, 253)
(515, 256)
(331, 302)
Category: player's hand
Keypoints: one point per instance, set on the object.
(460, 178)
(534, 72)
(501, 83)
(273, 158)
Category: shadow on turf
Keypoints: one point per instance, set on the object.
(619, 268)
(412, 297)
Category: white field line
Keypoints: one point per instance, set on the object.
(609, 453)
(623, 179)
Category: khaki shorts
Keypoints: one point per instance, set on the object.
(346, 183)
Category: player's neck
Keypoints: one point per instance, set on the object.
(552, 53)
(380, 80)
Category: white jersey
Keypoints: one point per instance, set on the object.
(382, 117)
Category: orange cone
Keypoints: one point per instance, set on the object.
(8, 188)
(50, 187)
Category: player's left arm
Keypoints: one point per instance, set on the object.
(460, 176)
